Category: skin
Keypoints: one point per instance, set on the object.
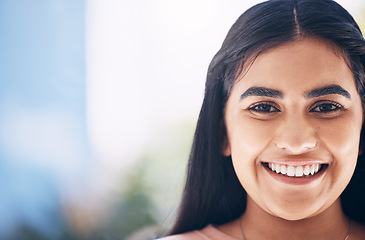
(295, 128)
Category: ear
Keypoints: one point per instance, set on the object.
(226, 147)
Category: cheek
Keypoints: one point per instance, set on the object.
(341, 138)
(250, 137)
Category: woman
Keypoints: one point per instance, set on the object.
(277, 152)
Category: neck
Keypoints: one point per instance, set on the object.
(330, 224)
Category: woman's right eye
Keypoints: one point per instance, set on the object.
(264, 108)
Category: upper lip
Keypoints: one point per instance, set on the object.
(296, 162)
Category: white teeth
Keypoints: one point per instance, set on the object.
(313, 169)
(283, 169)
(306, 170)
(292, 171)
(277, 168)
(299, 171)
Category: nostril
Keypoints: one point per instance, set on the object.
(297, 148)
(281, 147)
(311, 146)
(295, 136)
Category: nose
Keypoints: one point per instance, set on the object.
(296, 135)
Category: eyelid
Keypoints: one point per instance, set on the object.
(316, 104)
(263, 102)
(269, 103)
(319, 103)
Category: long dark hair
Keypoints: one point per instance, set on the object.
(213, 194)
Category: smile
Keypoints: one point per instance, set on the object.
(296, 171)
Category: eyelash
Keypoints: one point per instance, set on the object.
(270, 107)
(334, 107)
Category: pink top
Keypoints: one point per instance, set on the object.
(207, 233)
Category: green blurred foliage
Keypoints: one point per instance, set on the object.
(149, 193)
(132, 210)
(158, 177)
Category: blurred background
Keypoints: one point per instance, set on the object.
(98, 104)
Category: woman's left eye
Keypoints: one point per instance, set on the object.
(326, 107)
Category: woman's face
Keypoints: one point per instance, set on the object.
(293, 128)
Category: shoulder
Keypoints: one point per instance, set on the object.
(208, 233)
(185, 236)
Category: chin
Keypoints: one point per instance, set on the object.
(296, 213)
(293, 217)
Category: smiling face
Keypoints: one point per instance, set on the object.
(293, 128)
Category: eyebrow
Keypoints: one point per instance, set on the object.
(268, 92)
(261, 92)
(332, 89)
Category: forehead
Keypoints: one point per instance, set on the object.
(298, 65)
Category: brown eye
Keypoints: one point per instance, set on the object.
(326, 107)
(264, 108)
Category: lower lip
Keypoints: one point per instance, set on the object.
(295, 180)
